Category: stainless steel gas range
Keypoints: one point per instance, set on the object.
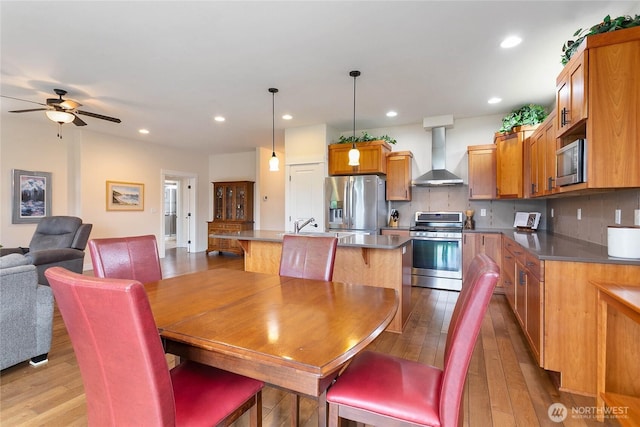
(437, 250)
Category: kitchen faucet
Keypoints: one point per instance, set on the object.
(297, 226)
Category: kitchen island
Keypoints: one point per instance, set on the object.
(372, 260)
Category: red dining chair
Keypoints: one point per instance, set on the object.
(308, 257)
(379, 389)
(133, 257)
(125, 374)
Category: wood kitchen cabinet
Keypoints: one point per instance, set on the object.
(510, 161)
(541, 146)
(482, 171)
(399, 175)
(523, 286)
(232, 212)
(373, 158)
(603, 108)
(571, 94)
(486, 243)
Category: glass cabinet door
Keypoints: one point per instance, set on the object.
(219, 202)
(240, 203)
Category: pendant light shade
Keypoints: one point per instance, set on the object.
(354, 153)
(274, 163)
(59, 116)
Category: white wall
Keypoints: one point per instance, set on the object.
(80, 164)
(269, 192)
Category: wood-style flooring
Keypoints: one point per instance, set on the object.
(505, 387)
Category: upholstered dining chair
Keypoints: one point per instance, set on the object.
(308, 257)
(379, 389)
(134, 257)
(124, 371)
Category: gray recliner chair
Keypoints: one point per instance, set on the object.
(57, 241)
(26, 313)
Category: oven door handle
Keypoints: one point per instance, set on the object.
(438, 239)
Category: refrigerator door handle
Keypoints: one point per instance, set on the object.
(347, 202)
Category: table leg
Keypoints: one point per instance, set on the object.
(295, 409)
(601, 365)
(322, 409)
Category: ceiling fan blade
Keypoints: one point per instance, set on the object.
(26, 111)
(78, 121)
(20, 99)
(99, 116)
(69, 104)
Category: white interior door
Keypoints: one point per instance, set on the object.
(306, 195)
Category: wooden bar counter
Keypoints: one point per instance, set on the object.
(372, 260)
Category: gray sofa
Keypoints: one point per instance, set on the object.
(26, 313)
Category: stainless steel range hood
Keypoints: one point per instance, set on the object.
(438, 175)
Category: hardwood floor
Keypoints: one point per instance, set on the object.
(504, 386)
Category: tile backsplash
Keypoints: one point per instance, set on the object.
(597, 213)
(499, 213)
(597, 210)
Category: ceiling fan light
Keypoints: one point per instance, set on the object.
(60, 116)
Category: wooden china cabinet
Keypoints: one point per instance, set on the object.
(232, 212)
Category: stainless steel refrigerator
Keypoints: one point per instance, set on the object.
(355, 203)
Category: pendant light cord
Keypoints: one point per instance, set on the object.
(273, 91)
(354, 74)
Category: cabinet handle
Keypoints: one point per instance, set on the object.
(482, 240)
(533, 188)
(470, 192)
(508, 257)
(529, 264)
(564, 120)
(521, 277)
(550, 183)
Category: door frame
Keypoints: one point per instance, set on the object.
(185, 211)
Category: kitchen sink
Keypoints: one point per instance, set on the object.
(338, 234)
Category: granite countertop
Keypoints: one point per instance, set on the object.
(345, 239)
(555, 247)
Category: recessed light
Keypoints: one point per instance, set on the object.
(510, 41)
(494, 100)
(391, 114)
(144, 131)
(287, 117)
(219, 119)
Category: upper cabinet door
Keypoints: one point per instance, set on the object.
(572, 94)
(482, 172)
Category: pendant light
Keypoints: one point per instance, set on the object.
(354, 154)
(273, 161)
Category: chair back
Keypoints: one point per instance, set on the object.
(133, 257)
(464, 329)
(55, 232)
(119, 352)
(308, 257)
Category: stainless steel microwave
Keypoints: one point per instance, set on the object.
(571, 163)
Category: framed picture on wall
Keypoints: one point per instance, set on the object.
(125, 196)
(31, 196)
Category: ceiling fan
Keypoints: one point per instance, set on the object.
(63, 111)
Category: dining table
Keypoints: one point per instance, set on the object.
(292, 333)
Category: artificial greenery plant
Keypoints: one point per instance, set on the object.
(531, 114)
(607, 25)
(364, 138)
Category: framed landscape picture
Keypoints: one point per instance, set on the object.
(125, 196)
(31, 196)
